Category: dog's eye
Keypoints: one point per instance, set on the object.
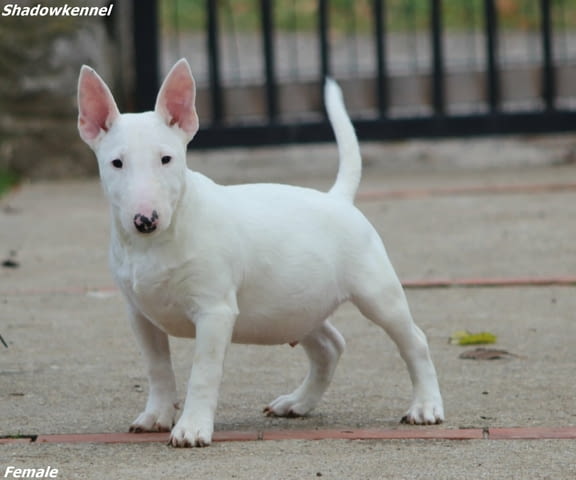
(166, 159)
(117, 163)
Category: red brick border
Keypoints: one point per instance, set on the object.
(491, 282)
(375, 434)
(376, 195)
(532, 433)
(104, 438)
(25, 439)
(495, 433)
(474, 282)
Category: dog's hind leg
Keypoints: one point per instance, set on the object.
(323, 347)
(384, 302)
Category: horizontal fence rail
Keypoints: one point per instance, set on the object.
(408, 68)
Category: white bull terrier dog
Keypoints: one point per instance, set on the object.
(253, 264)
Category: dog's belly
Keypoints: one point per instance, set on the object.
(266, 317)
(272, 323)
(265, 323)
(274, 310)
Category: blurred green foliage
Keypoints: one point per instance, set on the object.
(7, 180)
(401, 15)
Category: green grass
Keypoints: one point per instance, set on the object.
(346, 15)
(7, 180)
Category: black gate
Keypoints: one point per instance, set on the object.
(463, 80)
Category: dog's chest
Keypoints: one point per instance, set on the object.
(159, 290)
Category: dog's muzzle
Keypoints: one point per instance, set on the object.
(144, 224)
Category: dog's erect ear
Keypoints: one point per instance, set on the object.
(175, 102)
(97, 109)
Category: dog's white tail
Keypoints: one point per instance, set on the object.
(350, 167)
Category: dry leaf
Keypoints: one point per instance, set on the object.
(486, 354)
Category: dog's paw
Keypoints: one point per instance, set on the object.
(154, 421)
(424, 413)
(194, 433)
(289, 406)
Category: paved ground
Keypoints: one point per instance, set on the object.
(73, 367)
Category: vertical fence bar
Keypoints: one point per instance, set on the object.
(323, 25)
(269, 60)
(548, 73)
(145, 31)
(491, 35)
(381, 63)
(438, 94)
(214, 61)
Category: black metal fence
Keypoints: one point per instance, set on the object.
(408, 68)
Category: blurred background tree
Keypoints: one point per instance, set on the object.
(39, 62)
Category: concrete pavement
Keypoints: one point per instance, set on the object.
(72, 366)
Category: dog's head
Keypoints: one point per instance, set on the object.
(141, 157)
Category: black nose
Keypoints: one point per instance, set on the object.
(144, 224)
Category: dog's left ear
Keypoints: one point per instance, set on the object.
(175, 102)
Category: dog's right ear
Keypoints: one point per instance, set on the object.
(97, 109)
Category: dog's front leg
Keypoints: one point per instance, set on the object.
(196, 425)
(160, 410)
